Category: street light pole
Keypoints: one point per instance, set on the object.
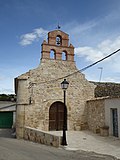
(64, 86)
(64, 141)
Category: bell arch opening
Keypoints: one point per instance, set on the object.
(64, 55)
(58, 40)
(56, 116)
(52, 54)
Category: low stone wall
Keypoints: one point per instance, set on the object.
(42, 137)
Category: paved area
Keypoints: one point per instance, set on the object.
(87, 141)
(6, 133)
(14, 149)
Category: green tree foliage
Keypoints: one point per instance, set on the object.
(9, 97)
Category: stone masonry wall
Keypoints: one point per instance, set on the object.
(38, 136)
(43, 92)
(22, 102)
(39, 88)
(95, 114)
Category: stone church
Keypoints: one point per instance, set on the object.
(39, 94)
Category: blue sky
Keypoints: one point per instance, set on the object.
(93, 27)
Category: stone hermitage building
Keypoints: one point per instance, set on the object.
(39, 94)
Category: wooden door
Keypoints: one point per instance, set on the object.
(56, 115)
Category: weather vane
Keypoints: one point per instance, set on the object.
(58, 26)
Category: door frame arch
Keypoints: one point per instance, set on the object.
(56, 116)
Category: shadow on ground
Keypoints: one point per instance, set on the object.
(6, 133)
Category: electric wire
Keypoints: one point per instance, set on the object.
(83, 69)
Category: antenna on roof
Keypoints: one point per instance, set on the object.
(101, 68)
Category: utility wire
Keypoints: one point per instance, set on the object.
(83, 69)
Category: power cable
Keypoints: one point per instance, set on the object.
(83, 69)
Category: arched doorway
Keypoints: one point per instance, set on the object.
(56, 115)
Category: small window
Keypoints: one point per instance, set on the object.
(52, 54)
(64, 56)
(58, 40)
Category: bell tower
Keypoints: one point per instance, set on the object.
(57, 47)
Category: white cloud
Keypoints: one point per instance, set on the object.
(29, 38)
(1, 78)
(93, 54)
(76, 29)
(79, 28)
(89, 53)
(6, 91)
(110, 79)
